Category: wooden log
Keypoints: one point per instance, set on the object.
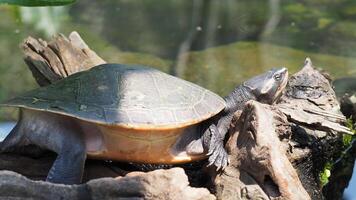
(256, 152)
(59, 58)
(278, 151)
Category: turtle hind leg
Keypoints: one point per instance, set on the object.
(68, 167)
(62, 135)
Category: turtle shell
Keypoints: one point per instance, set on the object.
(133, 96)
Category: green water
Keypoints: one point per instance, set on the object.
(216, 44)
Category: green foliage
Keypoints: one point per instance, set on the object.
(325, 174)
(346, 138)
(37, 2)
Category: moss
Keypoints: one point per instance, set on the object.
(347, 138)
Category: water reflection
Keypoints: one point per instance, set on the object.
(216, 44)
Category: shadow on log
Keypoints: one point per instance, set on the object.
(276, 151)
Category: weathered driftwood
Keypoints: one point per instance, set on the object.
(310, 100)
(58, 58)
(156, 185)
(265, 148)
(276, 152)
(258, 158)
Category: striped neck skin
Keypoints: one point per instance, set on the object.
(237, 98)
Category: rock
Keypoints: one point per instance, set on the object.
(159, 184)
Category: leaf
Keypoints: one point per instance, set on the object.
(37, 2)
(346, 139)
(325, 174)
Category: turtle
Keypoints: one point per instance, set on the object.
(132, 113)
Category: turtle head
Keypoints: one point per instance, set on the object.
(268, 87)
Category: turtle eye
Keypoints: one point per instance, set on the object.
(277, 77)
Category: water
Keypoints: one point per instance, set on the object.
(216, 44)
(5, 129)
(349, 192)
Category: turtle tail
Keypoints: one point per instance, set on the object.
(13, 139)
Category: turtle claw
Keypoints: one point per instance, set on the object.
(216, 152)
(223, 164)
(219, 158)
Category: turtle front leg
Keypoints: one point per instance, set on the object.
(212, 143)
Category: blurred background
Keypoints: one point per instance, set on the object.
(216, 44)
